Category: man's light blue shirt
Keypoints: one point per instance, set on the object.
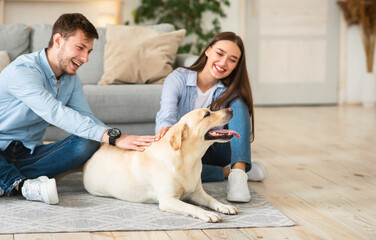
(31, 98)
(179, 94)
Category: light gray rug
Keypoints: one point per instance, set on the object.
(80, 212)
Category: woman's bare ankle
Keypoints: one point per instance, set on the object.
(239, 165)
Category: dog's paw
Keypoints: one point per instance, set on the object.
(209, 217)
(227, 209)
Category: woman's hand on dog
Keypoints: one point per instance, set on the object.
(161, 133)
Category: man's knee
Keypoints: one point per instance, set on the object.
(86, 146)
(81, 150)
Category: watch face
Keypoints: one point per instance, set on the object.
(114, 132)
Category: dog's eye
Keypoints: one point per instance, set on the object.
(207, 114)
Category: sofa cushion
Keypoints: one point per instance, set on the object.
(92, 71)
(139, 55)
(14, 39)
(4, 60)
(162, 27)
(130, 103)
(40, 36)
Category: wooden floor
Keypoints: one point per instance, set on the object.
(321, 164)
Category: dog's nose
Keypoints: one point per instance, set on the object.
(229, 109)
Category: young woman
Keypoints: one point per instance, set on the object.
(218, 79)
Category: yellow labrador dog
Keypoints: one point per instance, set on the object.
(168, 172)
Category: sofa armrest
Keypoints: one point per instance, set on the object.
(185, 60)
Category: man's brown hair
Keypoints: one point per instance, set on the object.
(67, 25)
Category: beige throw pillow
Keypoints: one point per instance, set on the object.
(4, 60)
(139, 55)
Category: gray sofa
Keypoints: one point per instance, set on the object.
(130, 107)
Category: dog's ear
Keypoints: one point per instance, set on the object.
(178, 137)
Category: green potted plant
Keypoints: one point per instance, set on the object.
(363, 13)
(187, 14)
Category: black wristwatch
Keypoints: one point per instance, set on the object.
(113, 133)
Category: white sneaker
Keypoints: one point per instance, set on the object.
(257, 172)
(41, 189)
(1, 192)
(237, 186)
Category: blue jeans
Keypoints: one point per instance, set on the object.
(17, 164)
(237, 150)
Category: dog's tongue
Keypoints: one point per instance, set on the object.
(226, 131)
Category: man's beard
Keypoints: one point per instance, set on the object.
(61, 64)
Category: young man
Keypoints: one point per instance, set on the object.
(43, 88)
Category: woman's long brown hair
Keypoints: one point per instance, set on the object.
(237, 82)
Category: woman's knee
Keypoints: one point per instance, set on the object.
(241, 115)
(239, 105)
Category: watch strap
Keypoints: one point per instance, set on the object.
(112, 141)
(113, 134)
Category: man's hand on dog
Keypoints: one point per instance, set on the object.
(131, 142)
(134, 142)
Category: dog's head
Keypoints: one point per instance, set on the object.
(200, 126)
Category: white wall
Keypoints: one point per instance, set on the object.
(355, 65)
